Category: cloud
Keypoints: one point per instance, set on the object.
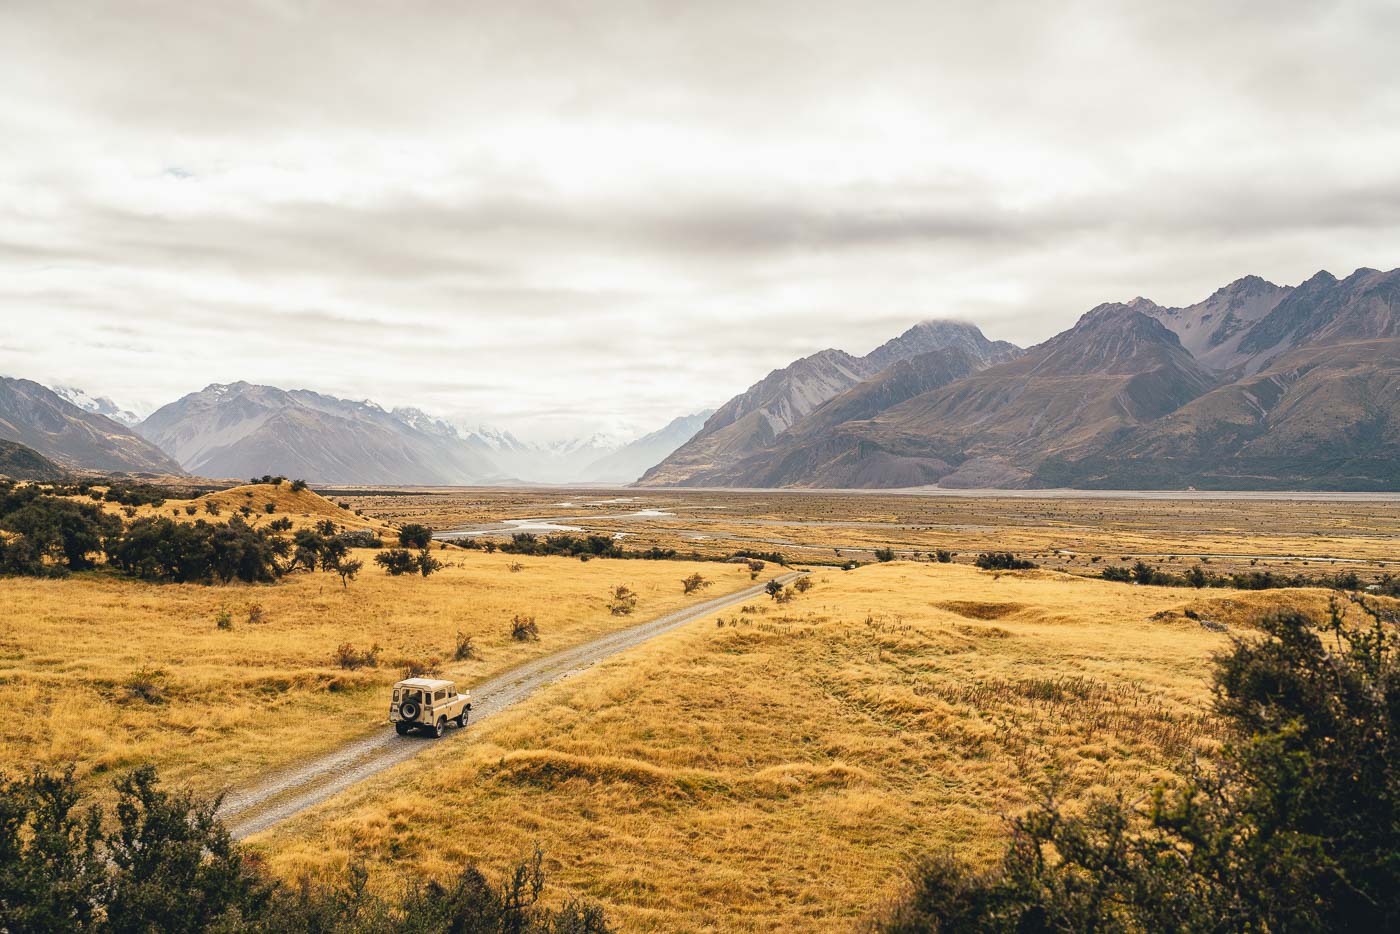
(565, 215)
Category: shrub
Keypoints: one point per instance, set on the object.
(466, 649)
(523, 629)
(298, 486)
(942, 556)
(694, 583)
(803, 584)
(1002, 561)
(397, 561)
(415, 536)
(146, 685)
(515, 567)
(427, 667)
(427, 564)
(755, 568)
(223, 620)
(255, 614)
(211, 507)
(163, 861)
(347, 656)
(784, 596)
(773, 588)
(346, 568)
(884, 554)
(283, 524)
(191, 509)
(623, 601)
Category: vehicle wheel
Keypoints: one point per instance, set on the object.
(409, 711)
(402, 728)
(462, 718)
(439, 727)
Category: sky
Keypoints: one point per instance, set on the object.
(568, 217)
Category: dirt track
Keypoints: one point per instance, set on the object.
(282, 794)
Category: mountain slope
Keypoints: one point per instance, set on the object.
(1257, 387)
(18, 462)
(241, 430)
(632, 460)
(39, 418)
(753, 421)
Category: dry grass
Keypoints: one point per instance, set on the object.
(109, 673)
(774, 769)
(304, 508)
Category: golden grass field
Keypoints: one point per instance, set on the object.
(772, 769)
(239, 702)
(778, 769)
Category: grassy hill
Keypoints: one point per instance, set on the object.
(18, 462)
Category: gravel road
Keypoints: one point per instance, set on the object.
(289, 791)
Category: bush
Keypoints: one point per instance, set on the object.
(466, 649)
(1293, 828)
(255, 614)
(51, 530)
(298, 486)
(283, 524)
(415, 536)
(694, 583)
(223, 620)
(773, 588)
(884, 554)
(623, 601)
(347, 656)
(427, 667)
(191, 509)
(158, 548)
(397, 561)
(1002, 561)
(803, 583)
(523, 629)
(146, 685)
(784, 596)
(942, 556)
(755, 568)
(164, 862)
(212, 508)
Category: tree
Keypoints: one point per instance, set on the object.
(415, 536)
(347, 568)
(694, 583)
(298, 485)
(396, 561)
(773, 588)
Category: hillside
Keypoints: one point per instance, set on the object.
(40, 419)
(632, 460)
(18, 462)
(241, 430)
(753, 421)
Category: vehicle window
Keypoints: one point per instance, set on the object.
(440, 695)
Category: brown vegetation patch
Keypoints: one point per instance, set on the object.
(974, 610)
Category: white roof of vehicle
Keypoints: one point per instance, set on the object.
(426, 684)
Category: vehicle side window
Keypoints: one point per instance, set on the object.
(440, 695)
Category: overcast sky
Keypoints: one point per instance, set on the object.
(561, 217)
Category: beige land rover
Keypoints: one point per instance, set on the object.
(427, 703)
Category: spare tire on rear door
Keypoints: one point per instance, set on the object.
(408, 710)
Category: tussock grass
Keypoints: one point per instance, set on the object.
(776, 771)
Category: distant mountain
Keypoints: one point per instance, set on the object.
(752, 421)
(242, 430)
(562, 461)
(630, 461)
(39, 418)
(1257, 386)
(98, 405)
(18, 462)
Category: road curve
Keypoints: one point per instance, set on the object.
(289, 791)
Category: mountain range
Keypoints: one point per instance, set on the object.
(1259, 386)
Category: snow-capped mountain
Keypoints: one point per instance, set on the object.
(97, 405)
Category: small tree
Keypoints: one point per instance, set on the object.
(755, 568)
(427, 564)
(298, 486)
(694, 583)
(803, 584)
(397, 561)
(465, 649)
(347, 568)
(773, 588)
(884, 554)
